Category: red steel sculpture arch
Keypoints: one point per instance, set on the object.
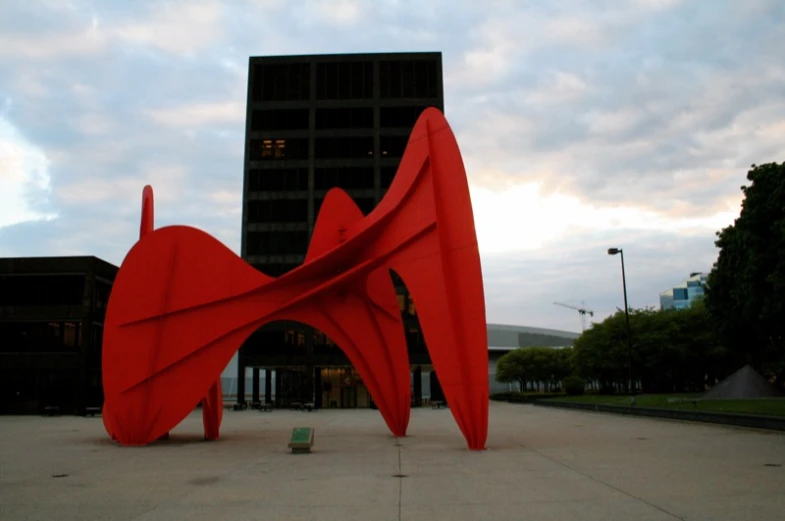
(182, 303)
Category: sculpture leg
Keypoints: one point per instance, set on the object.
(212, 411)
(364, 321)
(441, 268)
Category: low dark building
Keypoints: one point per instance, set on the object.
(51, 327)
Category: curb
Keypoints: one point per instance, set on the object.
(722, 418)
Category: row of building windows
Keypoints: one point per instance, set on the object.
(345, 80)
(268, 120)
(346, 147)
(296, 179)
(40, 337)
(42, 290)
(349, 178)
(278, 211)
(277, 243)
(279, 119)
(408, 79)
(278, 180)
(355, 147)
(281, 82)
(288, 211)
(335, 118)
(344, 118)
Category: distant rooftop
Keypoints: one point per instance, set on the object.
(506, 337)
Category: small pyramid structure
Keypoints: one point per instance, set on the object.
(744, 383)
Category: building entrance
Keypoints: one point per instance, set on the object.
(342, 387)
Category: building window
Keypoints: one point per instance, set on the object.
(278, 211)
(366, 204)
(279, 119)
(277, 243)
(272, 149)
(40, 337)
(71, 334)
(281, 82)
(387, 173)
(408, 79)
(393, 146)
(278, 180)
(343, 118)
(344, 80)
(348, 178)
(42, 290)
(344, 147)
(400, 117)
(101, 294)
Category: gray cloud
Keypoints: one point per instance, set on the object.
(655, 105)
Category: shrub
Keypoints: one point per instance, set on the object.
(501, 397)
(607, 389)
(574, 385)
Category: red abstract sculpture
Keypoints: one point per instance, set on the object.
(182, 303)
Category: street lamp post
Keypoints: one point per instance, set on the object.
(614, 251)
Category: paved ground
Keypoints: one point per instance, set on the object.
(542, 464)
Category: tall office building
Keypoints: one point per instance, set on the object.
(314, 123)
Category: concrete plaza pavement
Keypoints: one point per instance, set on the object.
(541, 464)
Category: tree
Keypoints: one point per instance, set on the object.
(672, 351)
(746, 287)
(601, 352)
(514, 366)
(545, 365)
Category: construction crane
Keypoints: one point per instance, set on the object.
(581, 310)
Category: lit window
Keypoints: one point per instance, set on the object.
(272, 148)
(267, 148)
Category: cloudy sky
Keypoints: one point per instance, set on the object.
(584, 125)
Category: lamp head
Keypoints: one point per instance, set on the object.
(614, 251)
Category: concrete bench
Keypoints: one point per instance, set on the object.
(437, 404)
(307, 407)
(265, 407)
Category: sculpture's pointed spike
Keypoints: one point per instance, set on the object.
(147, 224)
(337, 212)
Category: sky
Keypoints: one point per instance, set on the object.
(584, 125)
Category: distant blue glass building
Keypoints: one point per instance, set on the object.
(683, 295)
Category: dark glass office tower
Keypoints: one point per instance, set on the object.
(313, 123)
